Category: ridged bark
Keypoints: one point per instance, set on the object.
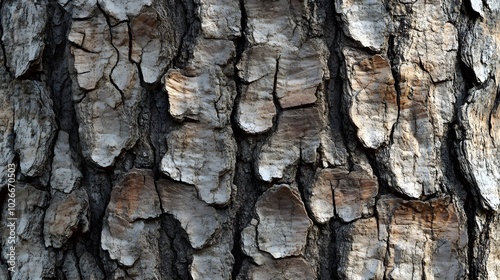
(217, 139)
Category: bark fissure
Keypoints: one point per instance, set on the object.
(286, 139)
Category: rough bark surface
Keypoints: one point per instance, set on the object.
(251, 139)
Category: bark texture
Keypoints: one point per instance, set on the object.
(251, 139)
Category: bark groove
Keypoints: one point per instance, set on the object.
(251, 139)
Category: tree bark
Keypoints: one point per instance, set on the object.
(218, 139)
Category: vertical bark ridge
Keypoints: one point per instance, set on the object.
(220, 139)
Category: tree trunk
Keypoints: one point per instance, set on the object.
(216, 139)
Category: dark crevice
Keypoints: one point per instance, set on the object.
(238, 255)
(161, 125)
(144, 150)
(187, 22)
(279, 109)
(478, 265)
(98, 186)
(470, 201)
(335, 228)
(478, 241)
(470, 209)
(248, 192)
(327, 252)
(304, 177)
(393, 60)
(336, 110)
(329, 256)
(341, 125)
(59, 81)
(176, 260)
(236, 250)
(468, 76)
(468, 11)
(130, 46)
(193, 28)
